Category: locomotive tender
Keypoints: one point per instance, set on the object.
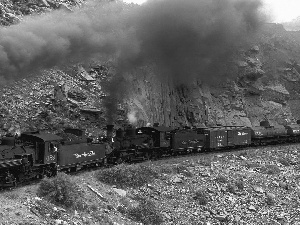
(35, 154)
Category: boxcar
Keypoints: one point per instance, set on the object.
(214, 138)
(238, 136)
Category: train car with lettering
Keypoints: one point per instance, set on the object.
(238, 136)
(187, 141)
(77, 152)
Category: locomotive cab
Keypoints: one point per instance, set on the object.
(45, 145)
(161, 135)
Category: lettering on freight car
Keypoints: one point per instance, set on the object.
(50, 158)
(90, 153)
(242, 133)
(190, 142)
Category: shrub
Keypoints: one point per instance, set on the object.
(251, 165)
(231, 188)
(167, 168)
(240, 184)
(284, 161)
(145, 212)
(11, 195)
(205, 161)
(127, 175)
(270, 199)
(184, 170)
(61, 190)
(270, 169)
(242, 153)
(221, 179)
(201, 196)
(102, 218)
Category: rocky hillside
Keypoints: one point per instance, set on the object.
(264, 86)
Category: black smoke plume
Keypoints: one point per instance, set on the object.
(186, 39)
(60, 37)
(193, 38)
(189, 39)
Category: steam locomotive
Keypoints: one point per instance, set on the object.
(36, 155)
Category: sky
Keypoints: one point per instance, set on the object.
(279, 10)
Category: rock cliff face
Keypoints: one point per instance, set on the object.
(266, 87)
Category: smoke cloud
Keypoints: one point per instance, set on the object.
(194, 38)
(60, 37)
(186, 39)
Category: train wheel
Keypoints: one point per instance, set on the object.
(147, 156)
(120, 160)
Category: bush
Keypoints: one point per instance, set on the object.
(240, 184)
(251, 165)
(61, 190)
(127, 175)
(221, 179)
(201, 196)
(167, 168)
(270, 169)
(205, 161)
(270, 199)
(181, 169)
(231, 188)
(102, 218)
(284, 161)
(145, 212)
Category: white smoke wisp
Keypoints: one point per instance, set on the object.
(131, 116)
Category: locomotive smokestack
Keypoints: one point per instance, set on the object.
(109, 131)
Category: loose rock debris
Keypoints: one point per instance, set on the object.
(234, 193)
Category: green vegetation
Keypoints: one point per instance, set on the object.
(284, 161)
(221, 179)
(145, 212)
(240, 184)
(201, 196)
(270, 169)
(127, 175)
(62, 190)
